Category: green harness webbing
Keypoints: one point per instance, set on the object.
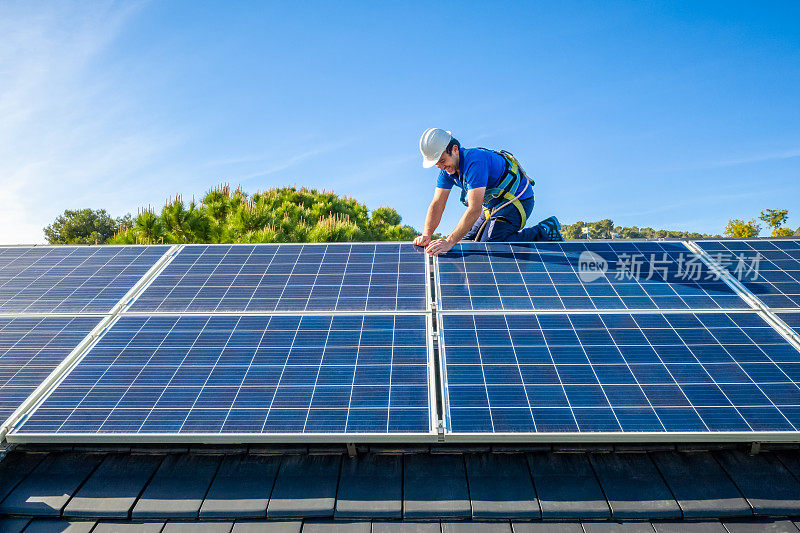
(509, 182)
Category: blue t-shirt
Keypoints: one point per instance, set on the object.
(479, 167)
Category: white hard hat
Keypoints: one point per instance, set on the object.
(432, 144)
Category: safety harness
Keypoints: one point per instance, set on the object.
(509, 182)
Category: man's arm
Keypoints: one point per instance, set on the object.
(434, 216)
(468, 219)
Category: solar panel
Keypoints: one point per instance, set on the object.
(530, 373)
(770, 269)
(30, 349)
(792, 320)
(290, 277)
(183, 375)
(71, 279)
(579, 276)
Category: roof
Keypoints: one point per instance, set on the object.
(274, 489)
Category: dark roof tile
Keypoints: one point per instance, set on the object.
(767, 525)
(700, 485)
(633, 486)
(371, 486)
(268, 526)
(566, 486)
(500, 487)
(686, 526)
(59, 526)
(305, 487)
(178, 487)
(547, 527)
(241, 487)
(48, 488)
(132, 526)
(447, 497)
(111, 491)
(768, 486)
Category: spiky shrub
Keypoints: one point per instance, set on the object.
(285, 214)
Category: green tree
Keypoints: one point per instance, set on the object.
(82, 226)
(148, 227)
(605, 229)
(573, 231)
(602, 229)
(285, 214)
(740, 229)
(775, 218)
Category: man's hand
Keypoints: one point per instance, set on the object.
(422, 240)
(439, 246)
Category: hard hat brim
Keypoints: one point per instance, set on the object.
(428, 163)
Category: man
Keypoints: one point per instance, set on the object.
(497, 192)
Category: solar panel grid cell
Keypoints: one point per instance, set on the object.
(247, 374)
(30, 349)
(71, 279)
(770, 269)
(792, 320)
(579, 276)
(652, 372)
(290, 277)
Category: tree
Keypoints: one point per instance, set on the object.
(573, 231)
(740, 229)
(775, 218)
(148, 227)
(285, 214)
(82, 226)
(605, 229)
(602, 229)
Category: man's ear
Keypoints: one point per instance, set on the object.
(454, 150)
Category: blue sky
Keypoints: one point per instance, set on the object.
(666, 114)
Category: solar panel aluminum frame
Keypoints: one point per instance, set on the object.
(127, 300)
(703, 257)
(769, 314)
(600, 437)
(432, 435)
(695, 246)
(179, 248)
(105, 321)
(55, 376)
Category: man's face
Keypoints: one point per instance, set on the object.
(449, 162)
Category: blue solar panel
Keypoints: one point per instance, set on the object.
(71, 279)
(579, 276)
(652, 372)
(770, 269)
(290, 277)
(30, 349)
(345, 374)
(792, 320)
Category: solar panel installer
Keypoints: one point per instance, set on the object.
(494, 187)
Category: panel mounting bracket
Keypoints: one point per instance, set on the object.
(351, 449)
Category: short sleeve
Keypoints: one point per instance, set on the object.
(444, 181)
(477, 173)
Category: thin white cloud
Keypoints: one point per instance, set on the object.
(286, 163)
(753, 158)
(758, 158)
(68, 129)
(699, 200)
